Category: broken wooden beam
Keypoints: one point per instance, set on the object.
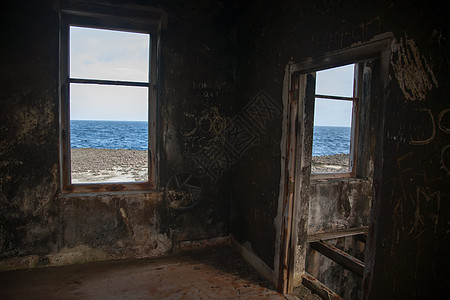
(319, 288)
(337, 234)
(339, 256)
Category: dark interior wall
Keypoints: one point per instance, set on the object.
(409, 239)
(40, 226)
(197, 102)
(29, 129)
(259, 86)
(222, 74)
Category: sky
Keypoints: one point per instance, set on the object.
(336, 82)
(118, 55)
(111, 55)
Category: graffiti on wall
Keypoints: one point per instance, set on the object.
(412, 70)
(429, 127)
(242, 132)
(183, 191)
(426, 200)
(209, 88)
(344, 35)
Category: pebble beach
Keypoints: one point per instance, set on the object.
(111, 165)
(108, 165)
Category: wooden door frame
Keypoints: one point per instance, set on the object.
(296, 162)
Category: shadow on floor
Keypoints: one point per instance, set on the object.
(219, 273)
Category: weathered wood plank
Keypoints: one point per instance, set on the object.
(319, 288)
(339, 256)
(337, 234)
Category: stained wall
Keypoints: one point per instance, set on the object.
(41, 226)
(223, 65)
(408, 237)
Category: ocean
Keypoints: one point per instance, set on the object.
(134, 134)
(109, 134)
(329, 140)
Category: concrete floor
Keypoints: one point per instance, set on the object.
(213, 274)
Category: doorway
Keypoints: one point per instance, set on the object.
(327, 210)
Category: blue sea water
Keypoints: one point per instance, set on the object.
(134, 135)
(109, 134)
(329, 140)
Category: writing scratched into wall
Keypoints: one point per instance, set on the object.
(344, 36)
(209, 89)
(412, 70)
(238, 136)
(428, 128)
(202, 131)
(425, 198)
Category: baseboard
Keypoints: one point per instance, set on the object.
(255, 262)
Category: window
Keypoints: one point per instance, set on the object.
(338, 124)
(335, 105)
(108, 100)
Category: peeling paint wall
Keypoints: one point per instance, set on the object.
(338, 205)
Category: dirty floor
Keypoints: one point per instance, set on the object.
(212, 274)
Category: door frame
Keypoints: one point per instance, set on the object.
(296, 156)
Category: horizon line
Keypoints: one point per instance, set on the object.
(109, 120)
(147, 121)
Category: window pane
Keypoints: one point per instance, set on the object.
(109, 133)
(332, 136)
(336, 81)
(108, 54)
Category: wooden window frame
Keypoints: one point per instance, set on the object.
(149, 21)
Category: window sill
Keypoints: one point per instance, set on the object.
(116, 188)
(318, 176)
(330, 177)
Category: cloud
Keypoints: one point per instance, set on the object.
(110, 55)
(332, 113)
(105, 54)
(104, 102)
(337, 81)
(334, 82)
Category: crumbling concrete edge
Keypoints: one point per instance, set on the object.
(85, 254)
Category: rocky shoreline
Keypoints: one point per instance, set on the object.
(337, 163)
(110, 165)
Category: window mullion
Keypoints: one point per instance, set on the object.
(108, 82)
(335, 97)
